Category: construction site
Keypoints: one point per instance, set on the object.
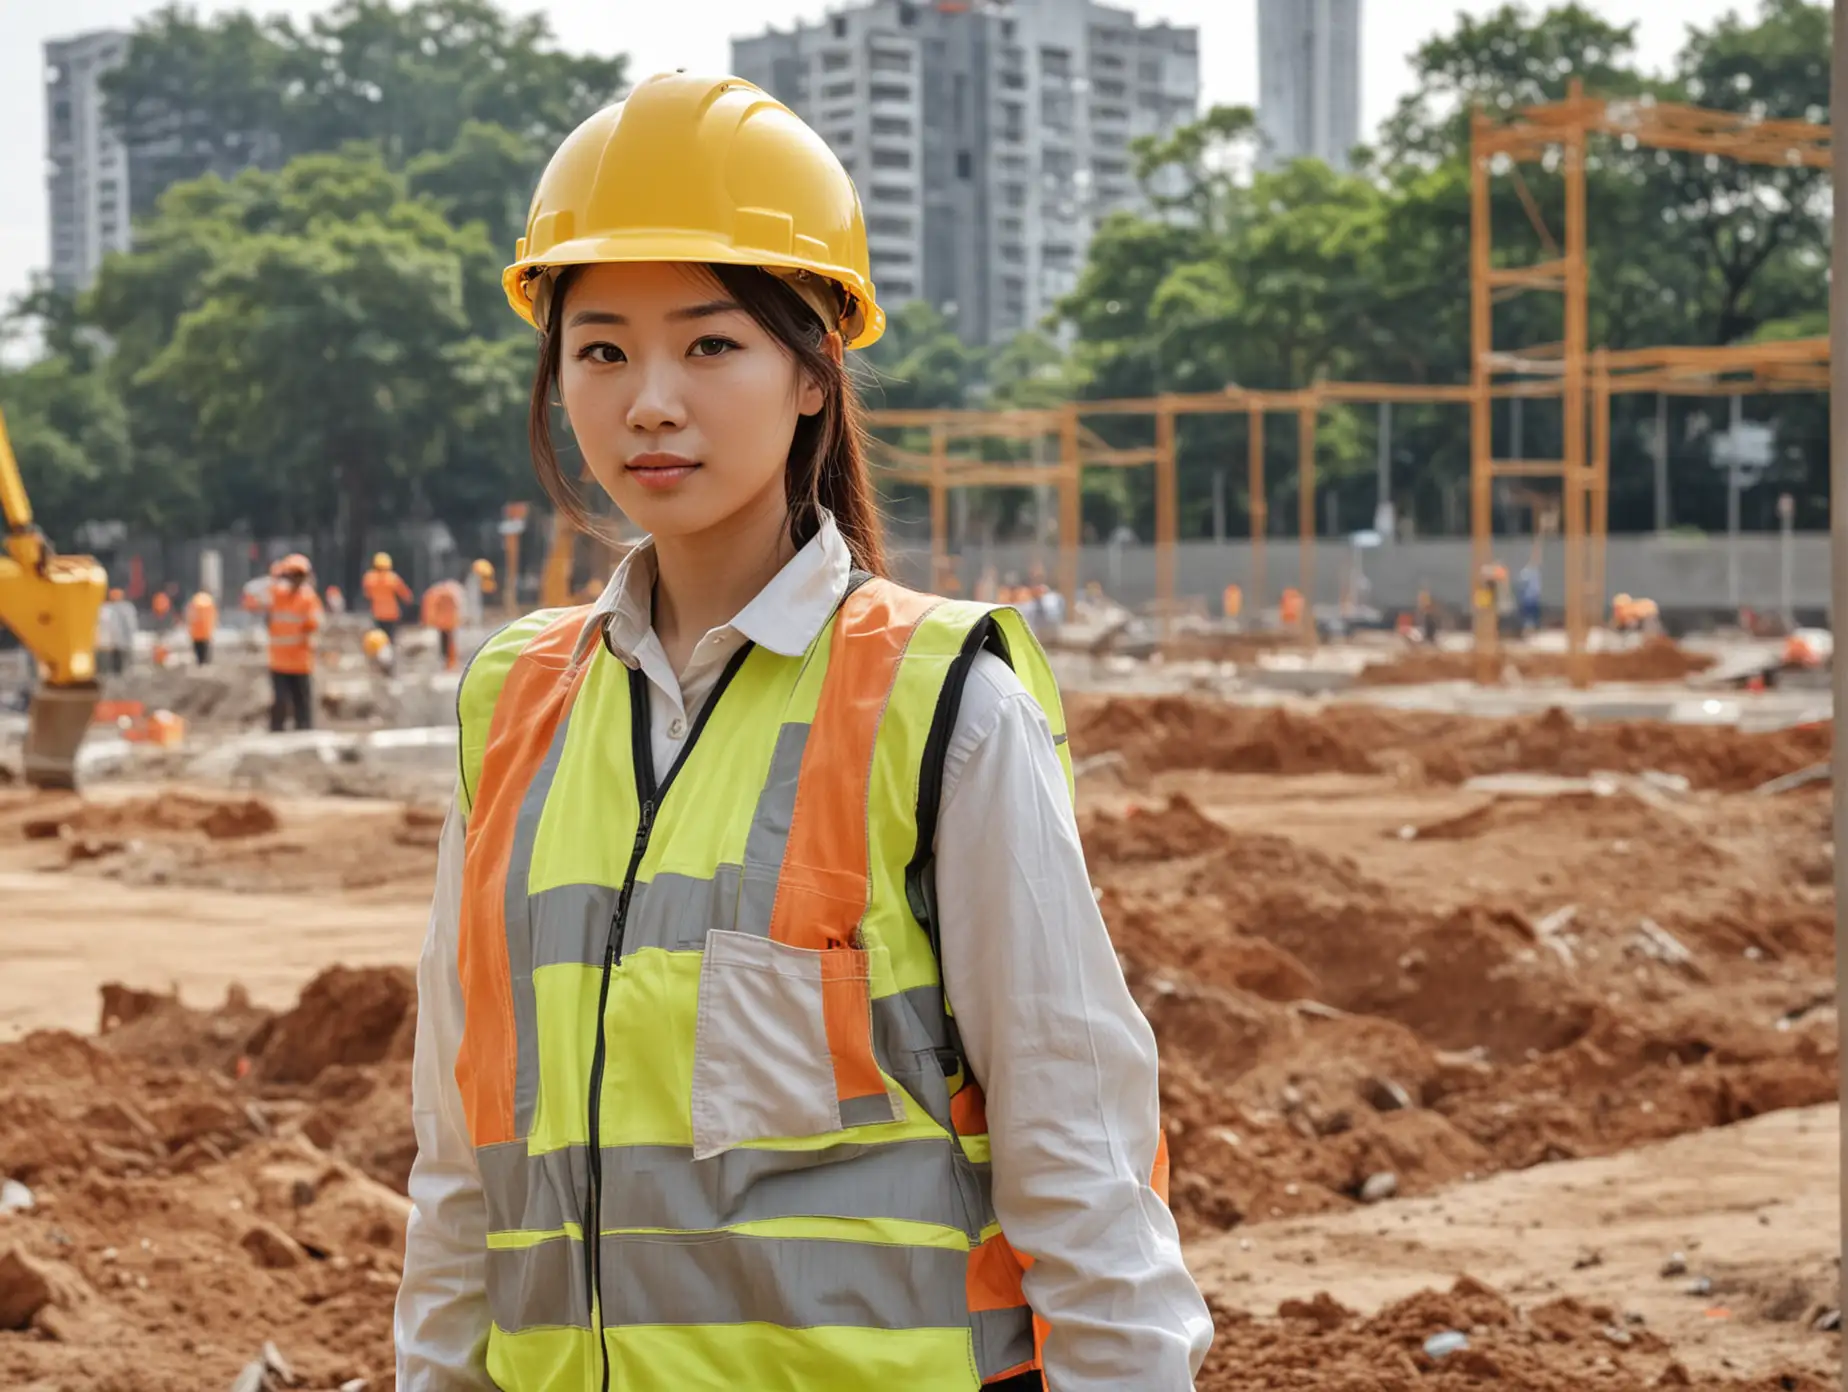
(1492, 966)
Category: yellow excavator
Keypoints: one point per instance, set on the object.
(50, 602)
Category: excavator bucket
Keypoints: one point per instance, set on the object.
(56, 723)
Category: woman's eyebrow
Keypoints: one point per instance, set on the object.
(704, 311)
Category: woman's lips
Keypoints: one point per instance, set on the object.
(660, 470)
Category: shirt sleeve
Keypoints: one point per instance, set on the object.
(441, 1323)
(1065, 1058)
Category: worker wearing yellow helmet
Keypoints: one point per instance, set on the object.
(766, 1008)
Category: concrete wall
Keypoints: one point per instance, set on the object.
(1687, 575)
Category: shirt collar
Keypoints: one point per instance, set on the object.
(786, 616)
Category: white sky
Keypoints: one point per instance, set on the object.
(696, 34)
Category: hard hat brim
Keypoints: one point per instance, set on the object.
(685, 248)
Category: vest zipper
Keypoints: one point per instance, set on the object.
(641, 756)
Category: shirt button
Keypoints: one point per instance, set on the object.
(677, 729)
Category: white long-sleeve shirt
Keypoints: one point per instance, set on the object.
(1065, 1058)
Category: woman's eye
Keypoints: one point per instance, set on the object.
(710, 346)
(605, 353)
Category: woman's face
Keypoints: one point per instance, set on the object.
(684, 408)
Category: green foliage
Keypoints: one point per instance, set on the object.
(310, 334)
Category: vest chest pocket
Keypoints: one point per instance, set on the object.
(783, 1044)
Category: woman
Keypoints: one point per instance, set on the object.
(764, 989)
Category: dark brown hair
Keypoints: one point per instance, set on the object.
(827, 457)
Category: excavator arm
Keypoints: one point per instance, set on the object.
(50, 602)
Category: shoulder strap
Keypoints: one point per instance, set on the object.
(921, 873)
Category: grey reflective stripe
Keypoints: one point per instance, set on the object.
(520, 932)
(871, 1110)
(662, 1187)
(569, 924)
(794, 1282)
(675, 912)
(1060, 739)
(1003, 1339)
(538, 1286)
(768, 837)
(727, 1278)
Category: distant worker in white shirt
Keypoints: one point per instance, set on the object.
(768, 1032)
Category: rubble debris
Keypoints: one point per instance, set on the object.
(1445, 1342)
(29, 1287)
(270, 1247)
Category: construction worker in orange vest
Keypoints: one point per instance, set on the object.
(386, 591)
(1290, 607)
(294, 619)
(202, 624)
(442, 610)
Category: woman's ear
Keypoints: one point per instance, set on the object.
(813, 395)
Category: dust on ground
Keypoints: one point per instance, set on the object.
(1387, 1004)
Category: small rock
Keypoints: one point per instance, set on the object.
(302, 1192)
(1445, 1342)
(1828, 1322)
(25, 1288)
(354, 1385)
(14, 1197)
(1700, 1285)
(1616, 1335)
(277, 1364)
(1635, 1317)
(1676, 1265)
(1379, 1186)
(28, 1287)
(1384, 1095)
(1587, 1257)
(271, 1247)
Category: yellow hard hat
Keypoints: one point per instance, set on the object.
(484, 567)
(699, 169)
(381, 560)
(375, 642)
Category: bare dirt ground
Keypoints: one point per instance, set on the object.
(1434, 1059)
(133, 885)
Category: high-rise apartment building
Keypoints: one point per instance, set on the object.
(987, 137)
(88, 170)
(1308, 80)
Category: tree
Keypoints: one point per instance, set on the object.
(71, 438)
(315, 357)
(217, 95)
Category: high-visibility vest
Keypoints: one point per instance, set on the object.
(294, 616)
(384, 589)
(442, 606)
(709, 1016)
(202, 617)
